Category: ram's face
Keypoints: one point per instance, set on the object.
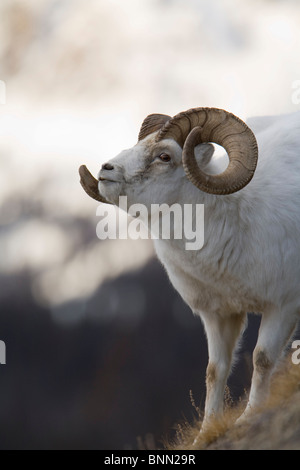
(168, 161)
(149, 173)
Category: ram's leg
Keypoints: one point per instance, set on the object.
(275, 330)
(222, 334)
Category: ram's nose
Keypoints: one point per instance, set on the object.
(107, 166)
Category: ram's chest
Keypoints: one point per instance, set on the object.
(203, 287)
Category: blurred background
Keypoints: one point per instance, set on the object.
(101, 351)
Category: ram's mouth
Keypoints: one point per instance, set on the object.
(107, 179)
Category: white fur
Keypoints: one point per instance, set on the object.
(250, 261)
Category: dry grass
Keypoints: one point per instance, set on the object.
(275, 426)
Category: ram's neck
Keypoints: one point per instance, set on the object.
(212, 228)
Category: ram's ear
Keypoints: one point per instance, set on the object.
(203, 154)
(152, 123)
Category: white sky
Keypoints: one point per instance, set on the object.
(80, 77)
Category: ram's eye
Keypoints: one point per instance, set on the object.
(164, 157)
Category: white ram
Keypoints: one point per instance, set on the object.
(250, 261)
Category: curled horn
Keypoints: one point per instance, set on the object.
(90, 184)
(201, 125)
(153, 123)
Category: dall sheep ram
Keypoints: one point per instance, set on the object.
(250, 260)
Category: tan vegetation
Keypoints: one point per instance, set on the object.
(276, 426)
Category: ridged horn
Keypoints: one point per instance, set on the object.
(152, 123)
(90, 185)
(202, 125)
